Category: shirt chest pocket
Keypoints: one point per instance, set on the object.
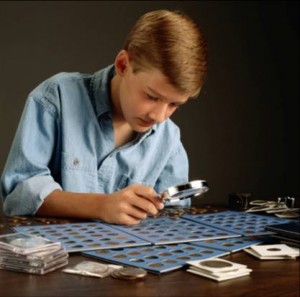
(79, 173)
(78, 163)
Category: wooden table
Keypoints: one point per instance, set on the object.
(269, 278)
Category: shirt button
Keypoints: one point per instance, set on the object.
(75, 162)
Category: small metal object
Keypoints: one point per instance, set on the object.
(238, 201)
(290, 202)
(184, 191)
(129, 273)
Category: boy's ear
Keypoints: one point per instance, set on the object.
(122, 62)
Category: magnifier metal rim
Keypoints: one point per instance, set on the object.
(193, 188)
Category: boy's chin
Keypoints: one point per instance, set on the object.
(139, 129)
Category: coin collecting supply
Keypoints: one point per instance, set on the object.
(184, 191)
(129, 273)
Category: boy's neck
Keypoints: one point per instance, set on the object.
(115, 99)
(123, 133)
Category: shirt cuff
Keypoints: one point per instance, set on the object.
(29, 195)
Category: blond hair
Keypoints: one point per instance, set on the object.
(172, 43)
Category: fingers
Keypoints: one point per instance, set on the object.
(126, 219)
(116, 208)
(137, 212)
(150, 195)
(132, 204)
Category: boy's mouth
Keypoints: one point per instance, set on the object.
(146, 123)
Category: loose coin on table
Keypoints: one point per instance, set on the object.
(129, 273)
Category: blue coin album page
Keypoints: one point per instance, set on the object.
(161, 244)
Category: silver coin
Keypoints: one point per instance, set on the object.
(116, 274)
(27, 242)
(132, 272)
(288, 215)
(129, 273)
(92, 267)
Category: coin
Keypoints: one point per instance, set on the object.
(27, 242)
(92, 267)
(116, 274)
(215, 264)
(129, 273)
(287, 214)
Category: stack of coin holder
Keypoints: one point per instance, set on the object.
(218, 269)
(273, 252)
(31, 254)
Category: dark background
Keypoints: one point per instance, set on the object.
(241, 134)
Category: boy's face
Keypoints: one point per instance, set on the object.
(146, 98)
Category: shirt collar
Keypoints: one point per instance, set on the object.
(100, 87)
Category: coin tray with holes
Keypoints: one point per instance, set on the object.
(158, 258)
(241, 223)
(84, 236)
(165, 230)
(232, 244)
(158, 231)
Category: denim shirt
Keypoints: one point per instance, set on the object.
(65, 140)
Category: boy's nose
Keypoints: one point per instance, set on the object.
(159, 114)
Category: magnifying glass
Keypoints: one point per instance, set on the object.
(186, 190)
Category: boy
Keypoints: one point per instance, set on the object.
(102, 146)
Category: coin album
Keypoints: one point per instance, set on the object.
(96, 235)
(156, 259)
(151, 245)
(232, 244)
(289, 230)
(78, 237)
(242, 223)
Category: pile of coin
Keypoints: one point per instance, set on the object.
(129, 273)
(175, 212)
(15, 221)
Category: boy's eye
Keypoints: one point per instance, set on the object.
(175, 105)
(151, 97)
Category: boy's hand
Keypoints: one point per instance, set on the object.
(131, 205)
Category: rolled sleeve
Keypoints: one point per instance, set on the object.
(28, 195)
(26, 179)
